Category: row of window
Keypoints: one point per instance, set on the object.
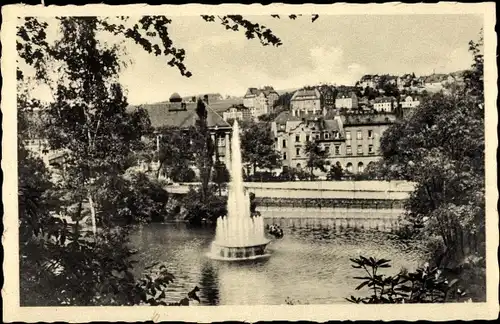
(359, 134)
(337, 150)
(336, 135)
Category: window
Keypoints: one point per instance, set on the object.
(337, 149)
(317, 136)
(327, 136)
(347, 135)
(370, 133)
(359, 135)
(284, 156)
(297, 138)
(360, 150)
(284, 143)
(360, 167)
(349, 167)
(221, 141)
(370, 149)
(327, 149)
(297, 151)
(307, 138)
(348, 150)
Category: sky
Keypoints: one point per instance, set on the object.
(334, 49)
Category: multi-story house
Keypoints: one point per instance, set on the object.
(351, 140)
(327, 96)
(180, 114)
(306, 102)
(410, 102)
(271, 95)
(384, 104)
(260, 101)
(250, 96)
(347, 100)
(362, 140)
(237, 112)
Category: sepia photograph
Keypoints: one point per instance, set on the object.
(255, 162)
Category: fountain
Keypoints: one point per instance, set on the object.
(238, 236)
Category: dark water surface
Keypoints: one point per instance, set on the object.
(308, 265)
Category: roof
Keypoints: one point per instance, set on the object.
(173, 115)
(252, 92)
(368, 119)
(175, 97)
(384, 99)
(220, 106)
(347, 95)
(435, 78)
(285, 116)
(305, 93)
(237, 107)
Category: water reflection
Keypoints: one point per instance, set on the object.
(309, 264)
(209, 292)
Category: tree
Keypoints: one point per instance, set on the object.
(335, 172)
(204, 148)
(315, 157)
(441, 148)
(174, 150)
(88, 119)
(284, 101)
(258, 146)
(220, 175)
(89, 122)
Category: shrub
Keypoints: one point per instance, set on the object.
(425, 285)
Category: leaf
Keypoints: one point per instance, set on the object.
(362, 285)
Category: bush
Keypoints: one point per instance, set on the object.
(425, 285)
(198, 211)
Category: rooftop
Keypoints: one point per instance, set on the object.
(179, 114)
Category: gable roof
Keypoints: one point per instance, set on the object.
(304, 93)
(173, 115)
(285, 116)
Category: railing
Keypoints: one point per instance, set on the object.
(328, 203)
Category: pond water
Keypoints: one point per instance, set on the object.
(309, 265)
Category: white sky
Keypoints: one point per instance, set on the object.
(335, 49)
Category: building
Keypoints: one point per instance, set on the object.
(250, 96)
(367, 81)
(260, 101)
(306, 102)
(384, 104)
(347, 100)
(410, 102)
(180, 114)
(237, 112)
(214, 97)
(327, 96)
(351, 140)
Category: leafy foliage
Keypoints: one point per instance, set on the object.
(252, 30)
(199, 211)
(316, 157)
(258, 146)
(425, 285)
(441, 148)
(175, 150)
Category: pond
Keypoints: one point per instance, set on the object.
(309, 265)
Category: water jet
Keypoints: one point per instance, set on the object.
(238, 236)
